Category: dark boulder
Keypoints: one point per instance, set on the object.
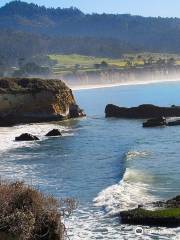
(142, 112)
(54, 133)
(75, 111)
(26, 137)
(155, 122)
(174, 123)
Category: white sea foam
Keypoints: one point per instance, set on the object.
(93, 223)
(133, 190)
(126, 194)
(136, 154)
(8, 134)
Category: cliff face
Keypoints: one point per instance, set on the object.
(24, 100)
(111, 76)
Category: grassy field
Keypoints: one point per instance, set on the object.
(169, 217)
(169, 212)
(69, 63)
(74, 62)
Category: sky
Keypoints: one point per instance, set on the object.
(163, 8)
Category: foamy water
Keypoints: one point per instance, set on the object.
(108, 165)
(125, 195)
(102, 222)
(7, 134)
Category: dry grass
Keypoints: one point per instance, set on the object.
(27, 214)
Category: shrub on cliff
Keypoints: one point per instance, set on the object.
(27, 214)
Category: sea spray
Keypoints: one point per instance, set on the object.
(125, 195)
(7, 135)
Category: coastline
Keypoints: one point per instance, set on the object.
(129, 83)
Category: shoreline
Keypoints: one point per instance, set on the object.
(130, 83)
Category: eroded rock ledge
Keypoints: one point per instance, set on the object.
(165, 214)
(144, 111)
(24, 100)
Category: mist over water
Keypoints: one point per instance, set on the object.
(108, 165)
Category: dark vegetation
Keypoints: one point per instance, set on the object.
(27, 214)
(166, 217)
(33, 85)
(28, 30)
(31, 69)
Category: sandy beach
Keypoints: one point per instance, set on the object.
(109, 85)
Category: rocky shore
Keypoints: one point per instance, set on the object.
(166, 214)
(25, 100)
(144, 111)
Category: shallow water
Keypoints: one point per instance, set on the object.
(106, 164)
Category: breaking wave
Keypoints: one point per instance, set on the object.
(125, 195)
(136, 154)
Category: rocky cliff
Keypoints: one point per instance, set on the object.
(111, 75)
(24, 100)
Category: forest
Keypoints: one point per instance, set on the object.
(70, 31)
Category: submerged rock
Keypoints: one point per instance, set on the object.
(155, 122)
(26, 137)
(54, 133)
(143, 111)
(25, 100)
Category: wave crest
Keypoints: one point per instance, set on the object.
(129, 193)
(135, 154)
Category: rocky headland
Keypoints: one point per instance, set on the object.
(24, 100)
(144, 111)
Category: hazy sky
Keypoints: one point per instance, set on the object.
(168, 8)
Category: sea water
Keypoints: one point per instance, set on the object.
(106, 164)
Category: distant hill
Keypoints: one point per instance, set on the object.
(50, 30)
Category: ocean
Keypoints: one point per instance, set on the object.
(107, 165)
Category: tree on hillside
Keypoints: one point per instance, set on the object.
(104, 64)
(129, 63)
(31, 69)
(171, 61)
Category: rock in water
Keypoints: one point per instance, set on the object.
(25, 100)
(142, 111)
(75, 111)
(165, 214)
(174, 123)
(26, 137)
(155, 122)
(54, 133)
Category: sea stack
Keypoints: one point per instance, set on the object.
(25, 100)
(144, 111)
